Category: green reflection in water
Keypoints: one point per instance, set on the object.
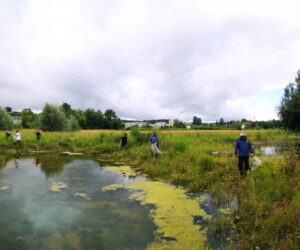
(78, 216)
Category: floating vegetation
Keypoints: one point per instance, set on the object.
(71, 153)
(40, 152)
(58, 186)
(113, 187)
(124, 170)
(173, 214)
(81, 195)
(3, 188)
(225, 211)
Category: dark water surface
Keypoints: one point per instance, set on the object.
(79, 216)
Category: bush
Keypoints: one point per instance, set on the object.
(53, 119)
(73, 124)
(137, 136)
(6, 121)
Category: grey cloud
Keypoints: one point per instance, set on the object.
(144, 59)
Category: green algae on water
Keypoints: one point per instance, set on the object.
(3, 188)
(58, 186)
(124, 170)
(81, 195)
(173, 214)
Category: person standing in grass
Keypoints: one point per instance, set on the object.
(7, 134)
(154, 144)
(17, 138)
(123, 142)
(38, 135)
(243, 148)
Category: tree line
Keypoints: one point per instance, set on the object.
(60, 118)
(237, 124)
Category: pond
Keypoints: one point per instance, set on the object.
(62, 202)
(58, 203)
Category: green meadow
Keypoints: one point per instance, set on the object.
(268, 212)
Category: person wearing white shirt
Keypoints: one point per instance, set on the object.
(17, 137)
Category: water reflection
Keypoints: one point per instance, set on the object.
(17, 160)
(4, 159)
(221, 231)
(52, 165)
(77, 215)
(269, 150)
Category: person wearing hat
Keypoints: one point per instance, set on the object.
(243, 148)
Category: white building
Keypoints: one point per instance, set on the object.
(152, 123)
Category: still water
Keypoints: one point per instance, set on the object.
(51, 202)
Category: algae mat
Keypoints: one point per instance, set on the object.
(173, 214)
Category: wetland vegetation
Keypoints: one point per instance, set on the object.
(263, 208)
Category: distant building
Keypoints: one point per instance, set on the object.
(16, 117)
(153, 123)
(159, 124)
(129, 123)
(188, 125)
(171, 123)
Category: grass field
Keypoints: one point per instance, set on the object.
(268, 216)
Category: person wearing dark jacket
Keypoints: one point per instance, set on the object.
(154, 144)
(38, 135)
(7, 134)
(243, 148)
(123, 142)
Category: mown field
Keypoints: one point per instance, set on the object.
(268, 215)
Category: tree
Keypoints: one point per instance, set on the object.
(8, 109)
(53, 119)
(29, 119)
(289, 109)
(179, 124)
(73, 124)
(221, 122)
(6, 121)
(66, 108)
(110, 114)
(80, 117)
(94, 119)
(117, 124)
(111, 121)
(197, 120)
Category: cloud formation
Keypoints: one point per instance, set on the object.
(149, 59)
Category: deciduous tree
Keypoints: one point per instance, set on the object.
(6, 121)
(289, 109)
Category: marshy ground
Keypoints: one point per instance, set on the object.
(265, 205)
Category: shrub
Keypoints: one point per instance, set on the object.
(53, 119)
(5, 120)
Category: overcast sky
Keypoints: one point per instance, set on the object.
(150, 59)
